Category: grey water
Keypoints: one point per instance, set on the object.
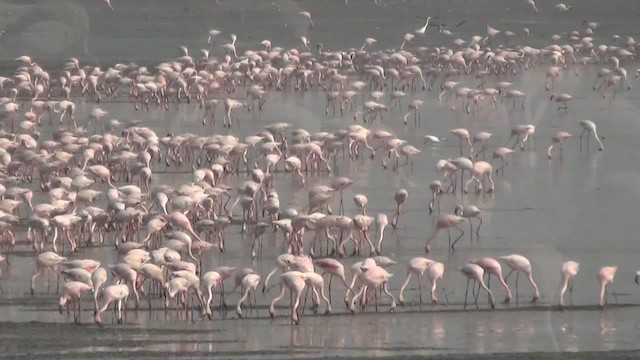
(582, 207)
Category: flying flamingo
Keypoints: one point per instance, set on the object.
(475, 272)
(520, 264)
(605, 276)
(569, 271)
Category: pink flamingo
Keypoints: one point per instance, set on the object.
(569, 271)
(558, 139)
(117, 293)
(294, 281)
(475, 272)
(435, 272)
(520, 264)
(446, 221)
(606, 276)
(72, 292)
(492, 266)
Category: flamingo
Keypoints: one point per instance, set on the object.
(520, 264)
(606, 276)
(446, 221)
(334, 268)
(249, 282)
(492, 266)
(569, 271)
(72, 293)
(400, 198)
(418, 266)
(589, 127)
(117, 293)
(556, 139)
(423, 29)
(469, 212)
(294, 281)
(475, 272)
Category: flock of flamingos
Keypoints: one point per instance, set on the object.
(97, 175)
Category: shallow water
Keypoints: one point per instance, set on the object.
(581, 207)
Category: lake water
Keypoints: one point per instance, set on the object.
(582, 207)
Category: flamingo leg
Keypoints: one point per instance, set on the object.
(465, 294)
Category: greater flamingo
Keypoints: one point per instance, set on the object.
(492, 267)
(558, 139)
(469, 212)
(446, 221)
(589, 127)
(606, 276)
(249, 282)
(475, 272)
(569, 271)
(520, 264)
